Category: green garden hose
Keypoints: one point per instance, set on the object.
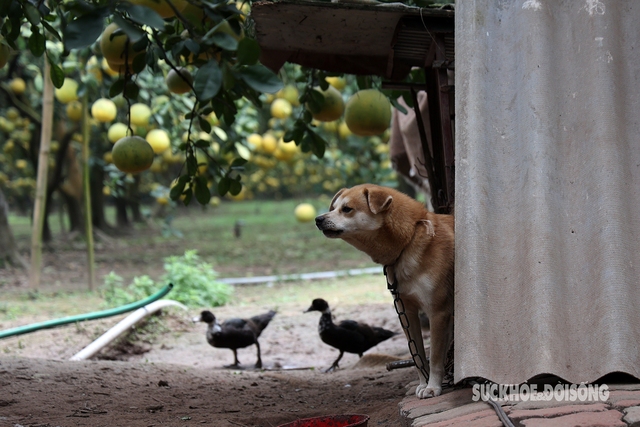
(87, 316)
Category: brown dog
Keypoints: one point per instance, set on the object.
(417, 248)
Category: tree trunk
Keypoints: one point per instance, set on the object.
(8, 249)
(74, 210)
(97, 200)
(122, 219)
(134, 200)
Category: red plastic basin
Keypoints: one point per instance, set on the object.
(331, 421)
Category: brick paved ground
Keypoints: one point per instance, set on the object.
(456, 407)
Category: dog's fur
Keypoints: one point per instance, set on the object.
(417, 248)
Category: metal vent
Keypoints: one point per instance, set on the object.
(414, 36)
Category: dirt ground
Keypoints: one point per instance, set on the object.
(173, 377)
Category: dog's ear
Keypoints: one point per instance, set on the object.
(377, 200)
(335, 197)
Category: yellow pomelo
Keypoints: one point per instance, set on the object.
(21, 164)
(132, 154)
(104, 110)
(290, 93)
(17, 85)
(179, 83)
(140, 114)
(74, 110)
(368, 113)
(12, 114)
(285, 151)
(159, 140)
(332, 107)
(162, 6)
(343, 130)
(337, 82)
(117, 49)
(117, 131)
(269, 143)
(281, 108)
(173, 158)
(93, 67)
(67, 92)
(255, 140)
(305, 212)
(107, 69)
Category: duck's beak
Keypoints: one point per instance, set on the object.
(197, 319)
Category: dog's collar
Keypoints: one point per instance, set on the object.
(389, 272)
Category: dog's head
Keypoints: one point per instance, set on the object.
(355, 210)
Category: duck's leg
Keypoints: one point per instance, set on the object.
(335, 364)
(236, 362)
(259, 361)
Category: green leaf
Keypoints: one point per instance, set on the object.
(317, 143)
(144, 15)
(364, 82)
(85, 30)
(36, 43)
(53, 31)
(187, 198)
(248, 51)
(134, 33)
(57, 75)
(204, 124)
(138, 64)
(238, 163)
(235, 187)
(315, 100)
(224, 40)
(116, 88)
(192, 164)
(178, 189)
(398, 106)
(31, 13)
(207, 81)
(131, 90)
(203, 195)
(260, 78)
(223, 185)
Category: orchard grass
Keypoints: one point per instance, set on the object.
(271, 242)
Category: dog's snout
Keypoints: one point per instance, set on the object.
(319, 220)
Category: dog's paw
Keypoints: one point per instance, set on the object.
(423, 391)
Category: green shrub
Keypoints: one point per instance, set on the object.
(194, 284)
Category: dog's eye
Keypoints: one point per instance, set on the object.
(346, 209)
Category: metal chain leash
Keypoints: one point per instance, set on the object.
(417, 358)
(418, 361)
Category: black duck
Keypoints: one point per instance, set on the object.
(235, 333)
(348, 335)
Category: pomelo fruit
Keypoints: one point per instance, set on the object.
(179, 83)
(332, 107)
(104, 110)
(305, 212)
(368, 113)
(132, 154)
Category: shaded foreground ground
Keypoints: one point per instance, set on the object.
(37, 392)
(173, 377)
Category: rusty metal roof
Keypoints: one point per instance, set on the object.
(384, 39)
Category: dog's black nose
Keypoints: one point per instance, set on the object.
(319, 221)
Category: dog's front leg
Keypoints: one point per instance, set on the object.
(441, 325)
(413, 334)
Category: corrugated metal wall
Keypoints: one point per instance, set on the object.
(547, 189)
